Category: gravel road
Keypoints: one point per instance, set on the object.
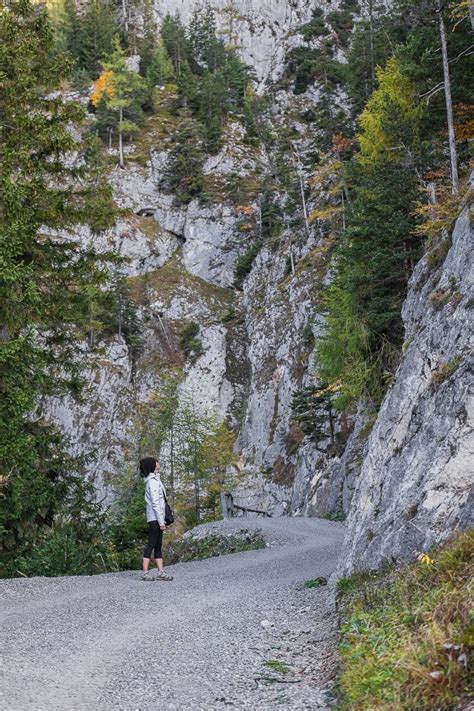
(238, 631)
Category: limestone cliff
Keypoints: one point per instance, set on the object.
(416, 482)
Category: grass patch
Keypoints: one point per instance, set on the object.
(316, 583)
(334, 516)
(171, 278)
(407, 634)
(444, 371)
(277, 666)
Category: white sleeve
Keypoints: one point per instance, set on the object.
(157, 500)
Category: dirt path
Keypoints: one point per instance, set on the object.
(116, 642)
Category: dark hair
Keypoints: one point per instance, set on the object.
(147, 466)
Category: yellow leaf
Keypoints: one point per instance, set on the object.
(424, 558)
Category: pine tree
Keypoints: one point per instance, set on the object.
(148, 42)
(122, 93)
(160, 69)
(173, 34)
(212, 108)
(44, 277)
(206, 451)
(98, 29)
(183, 172)
(205, 49)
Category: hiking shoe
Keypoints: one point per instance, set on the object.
(163, 576)
(149, 575)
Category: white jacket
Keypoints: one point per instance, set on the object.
(155, 498)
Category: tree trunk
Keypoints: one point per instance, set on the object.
(331, 425)
(303, 202)
(172, 465)
(299, 173)
(195, 466)
(292, 260)
(449, 105)
(371, 35)
(197, 501)
(125, 15)
(121, 160)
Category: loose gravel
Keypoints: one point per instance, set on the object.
(240, 631)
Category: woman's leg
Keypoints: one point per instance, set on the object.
(154, 532)
(158, 553)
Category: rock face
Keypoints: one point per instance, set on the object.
(416, 484)
(263, 30)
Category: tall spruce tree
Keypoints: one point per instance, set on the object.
(183, 172)
(98, 29)
(44, 275)
(173, 34)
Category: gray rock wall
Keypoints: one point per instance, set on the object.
(263, 30)
(416, 483)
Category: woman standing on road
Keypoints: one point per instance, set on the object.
(155, 515)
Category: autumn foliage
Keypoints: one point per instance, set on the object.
(103, 86)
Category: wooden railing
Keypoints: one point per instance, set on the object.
(229, 508)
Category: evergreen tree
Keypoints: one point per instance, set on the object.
(173, 34)
(160, 69)
(148, 42)
(157, 429)
(237, 76)
(206, 451)
(121, 314)
(44, 278)
(312, 408)
(72, 29)
(212, 107)
(98, 29)
(183, 172)
(188, 89)
(205, 49)
(121, 93)
(58, 20)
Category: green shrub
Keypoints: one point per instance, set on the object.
(334, 516)
(186, 549)
(245, 262)
(229, 315)
(189, 343)
(60, 551)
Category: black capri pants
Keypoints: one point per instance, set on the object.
(155, 538)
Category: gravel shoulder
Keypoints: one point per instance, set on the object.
(240, 631)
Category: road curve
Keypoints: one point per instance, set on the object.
(115, 642)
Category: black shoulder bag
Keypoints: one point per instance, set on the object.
(169, 515)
